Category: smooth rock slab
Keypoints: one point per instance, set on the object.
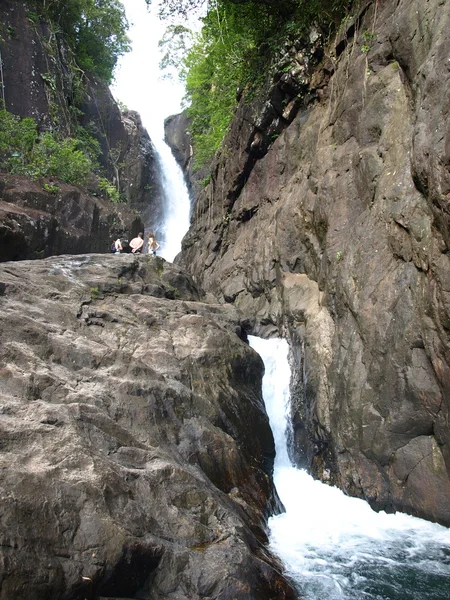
(135, 450)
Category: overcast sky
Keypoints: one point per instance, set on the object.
(138, 79)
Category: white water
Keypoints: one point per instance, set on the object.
(335, 547)
(176, 209)
(140, 86)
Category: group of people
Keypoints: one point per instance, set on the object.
(137, 244)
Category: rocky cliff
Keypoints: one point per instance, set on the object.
(35, 223)
(136, 451)
(328, 223)
(178, 138)
(40, 79)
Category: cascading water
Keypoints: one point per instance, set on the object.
(176, 203)
(335, 547)
(139, 84)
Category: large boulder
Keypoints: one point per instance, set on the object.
(136, 453)
(337, 236)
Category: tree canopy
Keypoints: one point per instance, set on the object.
(238, 41)
(96, 30)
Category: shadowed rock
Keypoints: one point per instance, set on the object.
(338, 238)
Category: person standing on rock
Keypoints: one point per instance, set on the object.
(118, 246)
(152, 244)
(137, 244)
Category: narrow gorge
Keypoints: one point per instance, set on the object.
(336, 235)
(136, 454)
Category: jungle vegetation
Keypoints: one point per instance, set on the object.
(95, 30)
(238, 42)
(23, 151)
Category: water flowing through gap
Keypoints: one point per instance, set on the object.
(333, 546)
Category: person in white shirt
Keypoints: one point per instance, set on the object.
(118, 246)
(152, 244)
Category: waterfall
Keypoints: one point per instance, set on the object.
(176, 203)
(139, 84)
(333, 546)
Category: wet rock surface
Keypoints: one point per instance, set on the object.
(337, 237)
(135, 450)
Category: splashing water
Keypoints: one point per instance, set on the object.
(335, 547)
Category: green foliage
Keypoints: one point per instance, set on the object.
(87, 144)
(222, 60)
(51, 187)
(175, 43)
(171, 8)
(231, 56)
(24, 152)
(122, 106)
(94, 29)
(17, 138)
(111, 191)
(96, 294)
(369, 36)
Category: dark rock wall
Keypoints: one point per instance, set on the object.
(35, 223)
(336, 235)
(41, 80)
(128, 155)
(136, 452)
(176, 135)
(37, 79)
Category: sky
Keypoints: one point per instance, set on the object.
(139, 84)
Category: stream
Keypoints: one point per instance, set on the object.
(336, 547)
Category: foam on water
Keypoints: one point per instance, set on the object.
(334, 546)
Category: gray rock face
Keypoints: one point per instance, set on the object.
(136, 453)
(176, 135)
(41, 81)
(140, 179)
(338, 238)
(35, 223)
(128, 155)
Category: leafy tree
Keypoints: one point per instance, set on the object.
(220, 61)
(239, 39)
(95, 30)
